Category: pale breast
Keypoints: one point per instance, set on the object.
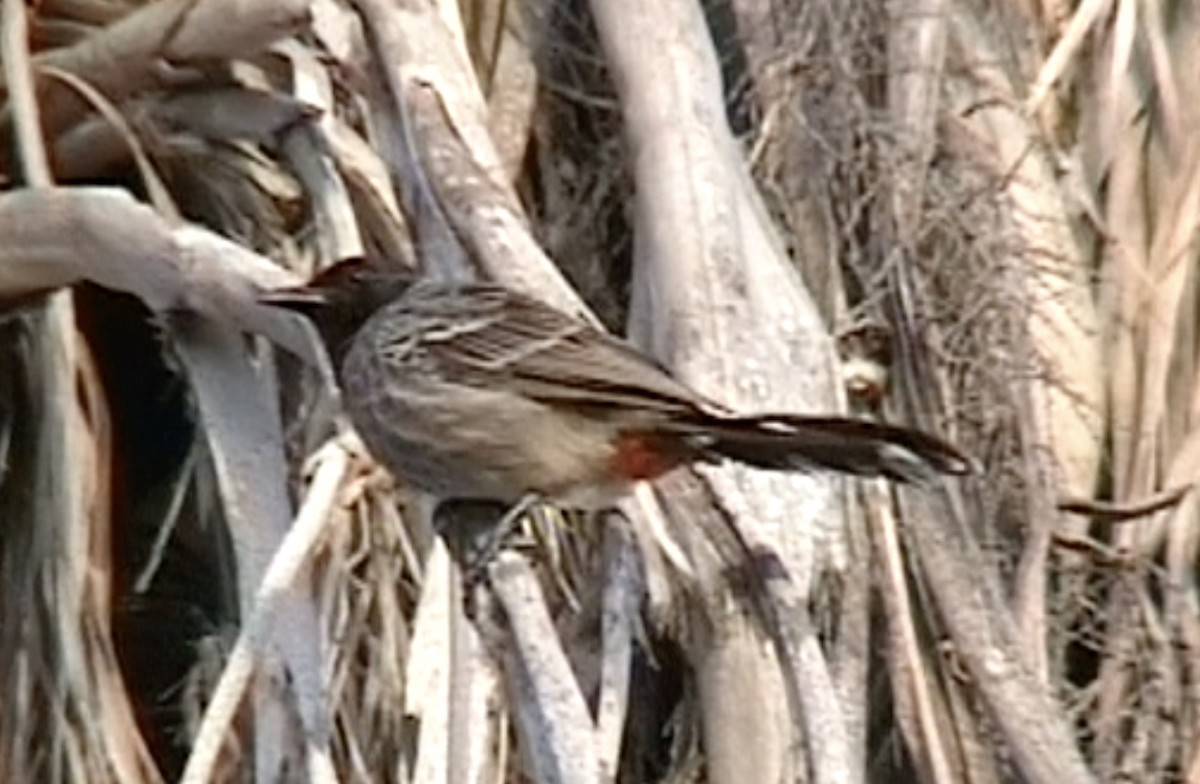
(462, 441)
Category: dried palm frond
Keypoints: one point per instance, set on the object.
(1000, 199)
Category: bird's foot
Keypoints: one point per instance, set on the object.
(476, 531)
(493, 541)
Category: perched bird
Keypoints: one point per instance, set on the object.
(475, 391)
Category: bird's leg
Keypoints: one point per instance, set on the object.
(495, 537)
(475, 531)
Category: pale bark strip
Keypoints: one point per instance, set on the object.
(289, 561)
(337, 233)
(738, 684)
(247, 454)
(557, 734)
(512, 89)
(63, 236)
(1183, 551)
(408, 45)
(129, 55)
(86, 691)
(299, 636)
(377, 210)
(715, 298)
(915, 704)
(1083, 22)
(452, 179)
(1035, 729)
(247, 113)
(430, 668)
(728, 641)
(916, 59)
(464, 641)
(1057, 328)
(1125, 134)
(1051, 269)
(451, 684)
(850, 656)
(1151, 170)
(622, 591)
(18, 75)
(785, 152)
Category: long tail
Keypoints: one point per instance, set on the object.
(852, 446)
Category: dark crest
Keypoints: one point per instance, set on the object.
(341, 298)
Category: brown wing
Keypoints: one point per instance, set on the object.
(477, 332)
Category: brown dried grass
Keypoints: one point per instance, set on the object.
(1019, 208)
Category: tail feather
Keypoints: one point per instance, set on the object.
(852, 446)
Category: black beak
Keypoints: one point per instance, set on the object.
(339, 300)
(305, 300)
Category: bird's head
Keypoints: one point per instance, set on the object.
(340, 299)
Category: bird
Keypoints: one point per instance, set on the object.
(472, 390)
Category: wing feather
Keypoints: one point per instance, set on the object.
(476, 332)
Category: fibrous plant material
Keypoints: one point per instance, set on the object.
(1007, 192)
